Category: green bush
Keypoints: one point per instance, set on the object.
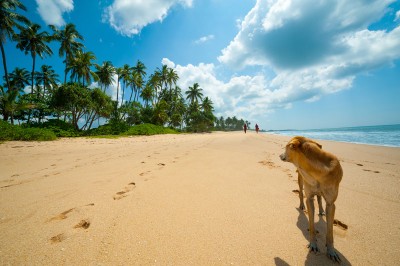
(113, 128)
(148, 129)
(11, 132)
(59, 127)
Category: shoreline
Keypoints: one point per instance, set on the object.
(200, 199)
(348, 142)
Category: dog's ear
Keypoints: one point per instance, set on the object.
(294, 144)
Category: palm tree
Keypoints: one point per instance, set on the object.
(147, 93)
(8, 20)
(30, 40)
(156, 84)
(140, 68)
(140, 73)
(163, 73)
(19, 78)
(47, 77)
(172, 78)
(68, 38)
(136, 83)
(119, 72)
(9, 104)
(80, 67)
(207, 105)
(105, 74)
(194, 93)
(126, 76)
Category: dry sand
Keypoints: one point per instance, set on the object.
(199, 199)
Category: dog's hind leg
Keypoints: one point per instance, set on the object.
(310, 209)
(300, 182)
(321, 209)
(330, 215)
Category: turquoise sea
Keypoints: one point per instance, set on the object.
(386, 135)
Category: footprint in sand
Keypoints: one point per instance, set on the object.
(83, 224)
(267, 163)
(57, 239)
(339, 224)
(367, 170)
(61, 216)
(122, 194)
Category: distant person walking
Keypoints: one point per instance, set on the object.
(257, 128)
(245, 128)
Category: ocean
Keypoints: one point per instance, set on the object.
(386, 135)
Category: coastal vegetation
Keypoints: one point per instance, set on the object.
(41, 104)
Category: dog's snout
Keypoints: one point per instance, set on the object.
(283, 157)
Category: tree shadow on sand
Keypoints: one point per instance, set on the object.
(320, 226)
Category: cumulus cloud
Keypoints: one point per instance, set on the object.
(311, 48)
(128, 17)
(204, 39)
(244, 96)
(287, 34)
(51, 11)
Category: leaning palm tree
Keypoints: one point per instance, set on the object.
(69, 43)
(194, 93)
(33, 42)
(8, 20)
(19, 78)
(80, 67)
(105, 74)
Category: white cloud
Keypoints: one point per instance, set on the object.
(246, 96)
(312, 48)
(51, 11)
(128, 17)
(204, 39)
(397, 16)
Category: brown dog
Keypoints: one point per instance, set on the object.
(322, 174)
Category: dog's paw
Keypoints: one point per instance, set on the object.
(331, 253)
(313, 247)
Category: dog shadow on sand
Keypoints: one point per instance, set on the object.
(319, 258)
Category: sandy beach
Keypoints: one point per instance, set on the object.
(189, 199)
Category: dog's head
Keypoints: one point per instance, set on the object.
(294, 149)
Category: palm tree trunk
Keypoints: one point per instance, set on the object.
(117, 89)
(33, 72)
(130, 98)
(65, 71)
(5, 64)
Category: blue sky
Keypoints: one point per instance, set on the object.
(279, 63)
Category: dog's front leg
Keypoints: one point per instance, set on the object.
(321, 209)
(330, 215)
(310, 209)
(300, 181)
